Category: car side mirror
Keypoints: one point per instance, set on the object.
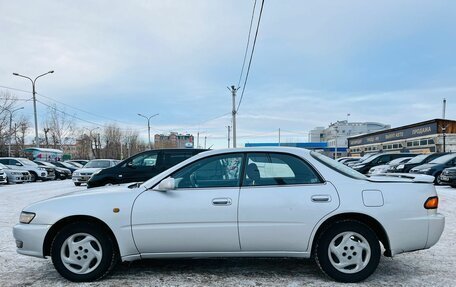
(166, 184)
(130, 164)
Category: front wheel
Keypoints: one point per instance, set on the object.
(348, 251)
(82, 252)
(77, 183)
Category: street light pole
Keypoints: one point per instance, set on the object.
(37, 141)
(148, 125)
(10, 128)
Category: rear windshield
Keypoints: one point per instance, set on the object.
(337, 166)
(98, 164)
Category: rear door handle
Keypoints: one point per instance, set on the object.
(321, 198)
(221, 201)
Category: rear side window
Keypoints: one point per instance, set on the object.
(172, 158)
(277, 169)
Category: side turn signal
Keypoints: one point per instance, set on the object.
(432, 202)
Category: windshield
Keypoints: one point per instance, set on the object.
(418, 158)
(337, 166)
(443, 159)
(98, 164)
(400, 160)
(25, 161)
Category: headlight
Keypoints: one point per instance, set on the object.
(76, 173)
(26, 217)
(401, 166)
(42, 168)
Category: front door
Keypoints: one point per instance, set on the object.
(200, 215)
(281, 200)
(140, 168)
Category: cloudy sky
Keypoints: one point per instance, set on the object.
(315, 61)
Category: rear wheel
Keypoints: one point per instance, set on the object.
(348, 251)
(82, 252)
(437, 179)
(453, 186)
(77, 183)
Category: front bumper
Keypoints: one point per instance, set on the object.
(30, 238)
(13, 178)
(81, 178)
(445, 179)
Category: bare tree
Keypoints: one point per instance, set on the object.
(112, 136)
(8, 102)
(60, 128)
(20, 131)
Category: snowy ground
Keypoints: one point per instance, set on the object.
(433, 267)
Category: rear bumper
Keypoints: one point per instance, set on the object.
(436, 226)
(30, 238)
(81, 179)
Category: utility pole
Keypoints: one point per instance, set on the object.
(444, 108)
(37, 140)
(205, 138)
(233, 90)
(229, 135)
(197, 139)
(335, 153)
(279, 136)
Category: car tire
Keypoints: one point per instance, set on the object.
(77, 183)
(453, 186)
(437, 180)
(348, 251)
(82, 252)
(33, 176)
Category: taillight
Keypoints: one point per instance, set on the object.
(432, 202)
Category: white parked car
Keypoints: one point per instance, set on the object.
(383, 168)
(15, 175)
(284, 202)
(83, 174)
(36, 171)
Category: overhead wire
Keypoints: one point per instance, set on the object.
(251, 56)
(248, 44)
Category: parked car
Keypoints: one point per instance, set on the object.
(275, 202)
(436, 166)
(81, 162)
(60, 172)
(363, 158)
(448, 177)
(36, 171)
(75, 164)
(3, 176)
(377, 159)
(141, 167)
(384, 168)
(416, 161)
(83, 175)
(71, 167)
(15, 175)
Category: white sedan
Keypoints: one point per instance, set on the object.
(284, 202)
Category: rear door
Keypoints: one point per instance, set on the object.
(282, 199)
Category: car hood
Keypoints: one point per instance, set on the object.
(86, 202)
(89, 169)
(426, 165)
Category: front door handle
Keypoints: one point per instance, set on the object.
(321, 198)
(221, 201)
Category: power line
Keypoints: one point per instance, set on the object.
(251, 56)
(248, 44)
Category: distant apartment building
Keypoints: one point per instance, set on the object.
(173, 140)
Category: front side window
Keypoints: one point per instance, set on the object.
(98, 164)
(277, 169)
(144, 160)
(217, 171)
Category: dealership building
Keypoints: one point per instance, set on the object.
(434, 135)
